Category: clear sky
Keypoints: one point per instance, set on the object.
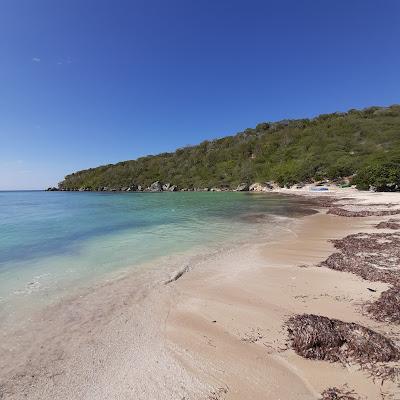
(91, 82)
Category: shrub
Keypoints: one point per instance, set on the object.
(381, 176)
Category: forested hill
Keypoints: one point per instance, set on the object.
(362, 142)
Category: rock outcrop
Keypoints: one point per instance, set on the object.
(262, 187)
(155, 187)
(243, 187)
(257, 187)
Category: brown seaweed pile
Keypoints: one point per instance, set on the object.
(390, 224)
(387, 307)
(374, 256)
(323, 202)
(362, 213)
(322, 338)
(335, 393)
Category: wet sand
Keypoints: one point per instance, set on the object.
(216, 332)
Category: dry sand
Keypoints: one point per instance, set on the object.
(217, 332)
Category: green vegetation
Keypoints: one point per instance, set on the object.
(362, 142)
(383, 176)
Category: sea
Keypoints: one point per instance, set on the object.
(53, 243)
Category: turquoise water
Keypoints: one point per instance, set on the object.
(51, 241)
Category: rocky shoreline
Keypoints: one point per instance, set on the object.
(159, 186)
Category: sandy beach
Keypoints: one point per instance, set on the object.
(215, 330)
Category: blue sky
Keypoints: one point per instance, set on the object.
(85, 83)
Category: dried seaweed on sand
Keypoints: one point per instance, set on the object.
(387, 307)
(375, 256)
(324, 202)
(390, 224)
(322, 338)
(335, 393)
(362, 213)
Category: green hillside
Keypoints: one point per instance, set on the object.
(363, 142)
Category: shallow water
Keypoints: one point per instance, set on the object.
(51, 242)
